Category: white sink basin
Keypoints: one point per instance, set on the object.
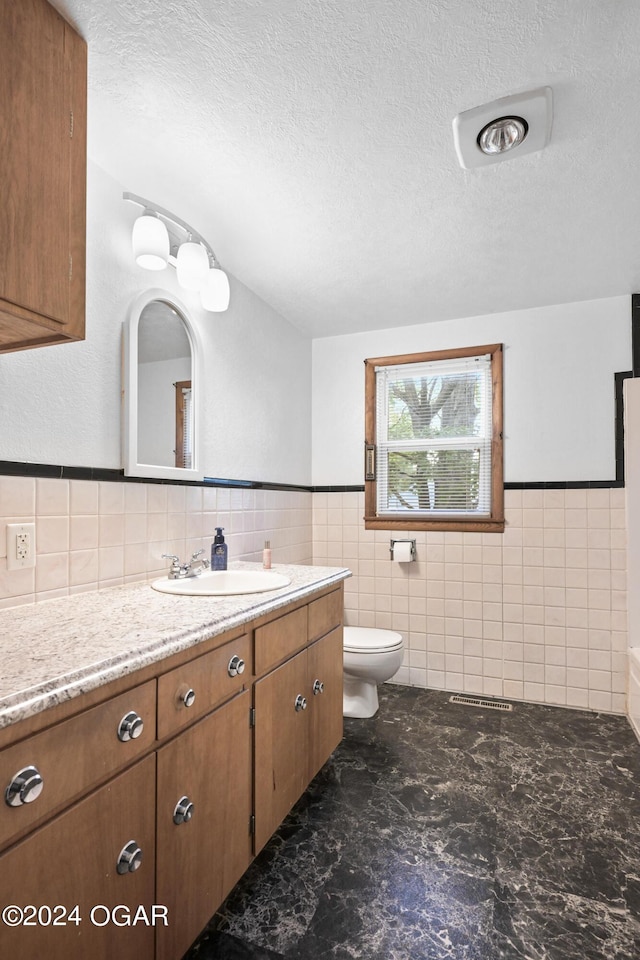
(223, 583)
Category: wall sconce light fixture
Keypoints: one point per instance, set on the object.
(160, 238)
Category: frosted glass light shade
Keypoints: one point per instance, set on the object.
(215, 293)
(150, 241)
(192, 265)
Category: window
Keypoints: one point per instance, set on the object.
(184, 424)
(433, 441)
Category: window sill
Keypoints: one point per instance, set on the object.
(463, 524)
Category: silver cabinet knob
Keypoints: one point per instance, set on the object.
(187, 696)
(318, 687)
(301, 702)
(25, 787)
(236, 666)
(130, 727)
(183, 810)
(130, 858)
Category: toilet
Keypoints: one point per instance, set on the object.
(371, 656)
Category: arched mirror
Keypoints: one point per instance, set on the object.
(161, 390)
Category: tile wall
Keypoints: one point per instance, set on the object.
(91, 535)
(538, 613)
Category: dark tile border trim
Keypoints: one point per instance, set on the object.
(565, 485)
(635, 334)
(17, 469)
(620, 378)
(59, 472)
(26, 469)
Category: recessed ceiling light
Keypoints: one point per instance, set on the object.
(502, 135)
(492, 132)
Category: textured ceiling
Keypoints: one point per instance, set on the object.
(310, 141)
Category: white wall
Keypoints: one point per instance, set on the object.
(61, 404)
(559, 365)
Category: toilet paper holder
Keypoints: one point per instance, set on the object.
(412, 548)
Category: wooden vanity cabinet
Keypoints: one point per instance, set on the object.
(43, 93)
(222, 744)
(298, 710)
(72, 862)
(281, 738)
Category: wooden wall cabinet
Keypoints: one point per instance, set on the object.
(196, 765)
(43, 95)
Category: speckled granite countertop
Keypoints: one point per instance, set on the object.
(59, 649)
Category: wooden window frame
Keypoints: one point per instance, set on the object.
(494, 523)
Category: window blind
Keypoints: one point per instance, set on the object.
(433, 437)
(187, 428)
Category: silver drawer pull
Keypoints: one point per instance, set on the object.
(25, 787)
(183, 811)
(301, 702)
(236, 666)
(130, 727)
(187, 696)
(318, 687)
(130, 858)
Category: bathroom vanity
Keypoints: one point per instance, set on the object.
(149, 747)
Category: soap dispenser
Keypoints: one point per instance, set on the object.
(219, 551)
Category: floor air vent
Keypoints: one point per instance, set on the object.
(476, 702)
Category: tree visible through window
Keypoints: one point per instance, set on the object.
(434, 440)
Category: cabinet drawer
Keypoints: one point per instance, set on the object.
(325, 614)
(74, 755)
(280, 639)
(190, 691)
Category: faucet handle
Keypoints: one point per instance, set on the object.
(174, 570)
(194, 556)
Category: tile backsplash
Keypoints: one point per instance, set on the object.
(91, 534)
(537, 613)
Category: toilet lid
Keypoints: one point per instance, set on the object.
(372, 639)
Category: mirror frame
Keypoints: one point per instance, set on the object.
(132, 465)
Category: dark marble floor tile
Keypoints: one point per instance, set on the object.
(555, 728)
(215, 945)
(534, 924)
(404, 912)
(443, 831)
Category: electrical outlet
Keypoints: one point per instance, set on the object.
(21, 545)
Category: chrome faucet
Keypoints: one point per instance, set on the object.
(192, 568)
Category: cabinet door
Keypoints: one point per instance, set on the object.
(42, 188)
(281, 744)
(325, 685)
(73, 861)
(199, 860)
